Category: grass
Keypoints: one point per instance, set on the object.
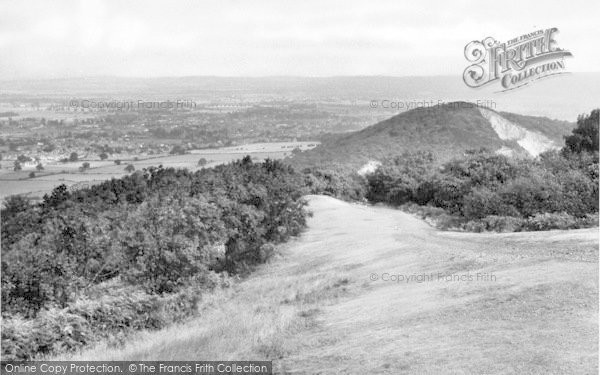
(253, 321)
(316, 309)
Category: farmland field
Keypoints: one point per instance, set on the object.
(57, 173)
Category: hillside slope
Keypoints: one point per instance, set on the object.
(322, 306)
(446, 131)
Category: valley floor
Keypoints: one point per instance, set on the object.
(373, 290)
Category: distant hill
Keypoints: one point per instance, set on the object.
(446, 131)
(562, 96)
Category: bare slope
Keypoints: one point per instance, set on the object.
(322, 307)
(532, 141)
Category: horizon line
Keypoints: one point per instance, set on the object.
(245, 76)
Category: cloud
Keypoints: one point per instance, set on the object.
(65, 38)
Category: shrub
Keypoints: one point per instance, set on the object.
(336, 183)
(446, 221)
(585, 135)
(178, 150)
(482, 202)
(476, 226)
(530, 195)
(402, 191)
(448, 193)
(435, 216)
(495, 223)
(51, 332)
(557, 220)
(87, 320)
(165, 242)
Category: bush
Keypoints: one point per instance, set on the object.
(495, 223)
(548, 221)
(435, 216)
(482, 202)
(110, 317)
(585, 135)
(51, 332)
(448, 193)
(336, 183)
(175, 235)
(178, 150)
(476, 226)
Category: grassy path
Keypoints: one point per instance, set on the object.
(371, 290)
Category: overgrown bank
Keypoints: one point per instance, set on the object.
(137, 252)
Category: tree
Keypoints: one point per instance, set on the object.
(202, 162)
(39, 167)
(17, 166)
(585, 135)
(49, 148)
(103, 156)
(165, 241)
(178, 150)
(14, 204)
(31, 174)
(23, 158)
(73, 157)
(130, 168)
(118, 162)
(84, 166)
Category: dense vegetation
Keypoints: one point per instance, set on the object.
(136, 252)
(487, 191)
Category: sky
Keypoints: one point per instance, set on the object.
(42, 39)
